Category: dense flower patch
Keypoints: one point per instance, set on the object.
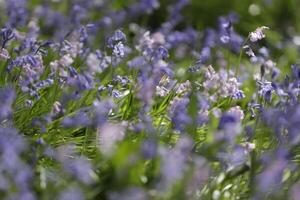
(97, 104)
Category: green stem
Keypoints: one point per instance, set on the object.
(240, 58)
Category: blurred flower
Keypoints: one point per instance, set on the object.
(149, 148)
(295, 191)
(178, 113)
(204, 55)
(271, 177)
(249, 146)
(132, 193)
(17, 12)
(77, 167)
(71, 193)
(174, 162)
(236, 110)
(79, 119)
(229, 127)
(66, 60)
(109, 134)
(7, 97)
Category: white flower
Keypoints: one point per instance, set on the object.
(258, 34)
(66, 60)
(109, 134)
(249, 147)
(93, 63)
(54, 65)
(161, 91)
(183, 87)
(56, 108)
(230, 87)
(249, 51)
(158, 38)
(4, 55)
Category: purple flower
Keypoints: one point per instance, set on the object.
(132, 193)
(71, 193)
(174, 162)
(227, 36)
(149, 5)
(265, 90)
(79, 119)
(7, 97)
(117, 38)
(43, 84)
(15, 175)
(227, 119)
(82, 81)
(204, 55)
(80, 168)
(119, 50)
(16, 12)
(162, 53)
(149, 148)
(238, 95)
(271, 177)
(7, 35)
(178, 113)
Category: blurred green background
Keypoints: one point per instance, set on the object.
(280, 15)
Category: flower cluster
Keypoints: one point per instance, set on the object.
(98, 100)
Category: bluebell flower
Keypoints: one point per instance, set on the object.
(178, 113)
(227, 36)
(119, 50)
(209, 38)
(238, 95)
(176, 38)
(225, 27)
(117, 37)
(79, 119)
(43, 84)
(235, 157)
(77, 14)
(7, 35)
(101, 110)
(229, 126)
(162, 52)
(15, 174)
(116, 94)
(258, 34)
(270, 180)
(174, 162)
(73, 72)
(205, 54)
(17, 12)
(265, 90)
(82, 82)
(80, 168)
(227, 119)
(137, 62)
